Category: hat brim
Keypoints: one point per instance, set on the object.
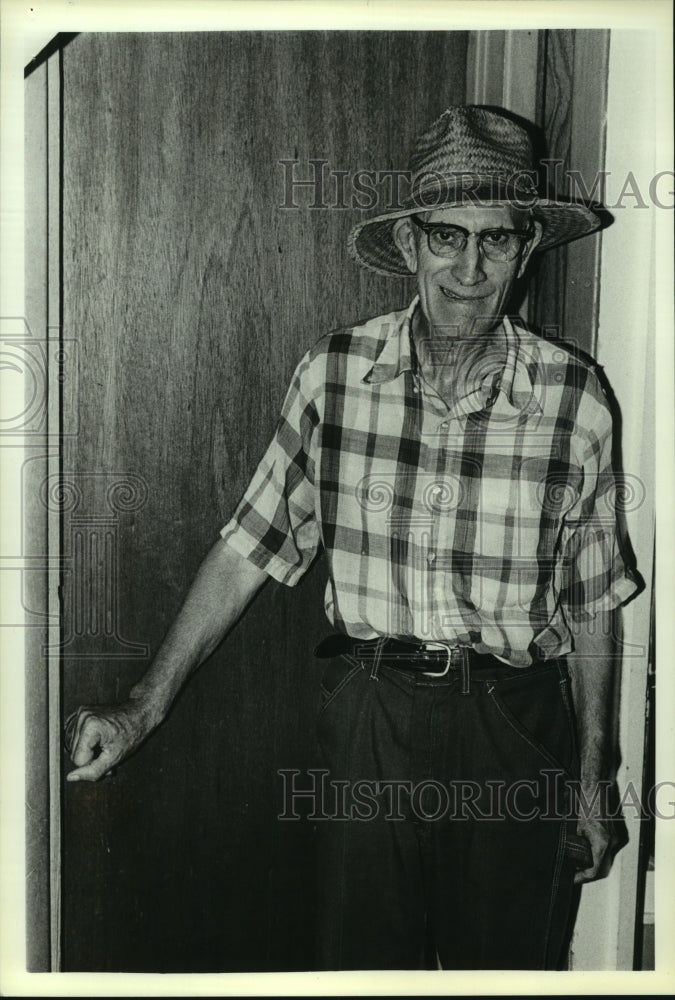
(371, 242)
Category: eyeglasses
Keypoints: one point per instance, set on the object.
(498, 245)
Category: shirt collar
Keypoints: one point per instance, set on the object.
(395, 355)
(519, 385)
(517, 388)
(514, 384)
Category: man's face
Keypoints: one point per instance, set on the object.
(465, 295)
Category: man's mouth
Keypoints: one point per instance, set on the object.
(460, 298)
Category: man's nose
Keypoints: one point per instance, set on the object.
(467, 267)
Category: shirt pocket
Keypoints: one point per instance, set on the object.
(519, 518)
(523, 507)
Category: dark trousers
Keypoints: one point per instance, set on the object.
(450, 806)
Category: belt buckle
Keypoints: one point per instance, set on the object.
(448, 652)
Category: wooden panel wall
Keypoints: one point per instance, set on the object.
(572, 101)
(192, 294)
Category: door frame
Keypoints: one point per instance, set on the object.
(41, 520)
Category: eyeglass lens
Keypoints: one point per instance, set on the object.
(494, 244)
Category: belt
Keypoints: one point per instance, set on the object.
(434, 658)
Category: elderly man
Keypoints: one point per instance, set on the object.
(456, 470)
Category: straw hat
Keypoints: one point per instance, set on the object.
(470, 155)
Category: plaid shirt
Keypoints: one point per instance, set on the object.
(491, 521)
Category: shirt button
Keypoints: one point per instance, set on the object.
(444, 425)
(431, 557)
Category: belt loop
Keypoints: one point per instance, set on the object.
(379, 649)
(466, 682)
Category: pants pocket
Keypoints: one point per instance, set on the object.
(537, 712)
(336, 676)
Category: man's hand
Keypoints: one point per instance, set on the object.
(99, 737)
(599, 835)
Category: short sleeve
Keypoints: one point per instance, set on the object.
(595, 576)
(274, 524)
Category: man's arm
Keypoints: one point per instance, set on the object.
(223, 586)
(594, 673)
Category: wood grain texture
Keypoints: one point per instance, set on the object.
(193, 294)
(587, 155)
(571, 111)
(556, 85)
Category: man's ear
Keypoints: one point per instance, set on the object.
(404, 238)
(536, 239)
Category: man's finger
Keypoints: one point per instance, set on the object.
(599, 840)
(73, 729)
(94, 770)
(587, 875)
(74, 724)
(92, 735)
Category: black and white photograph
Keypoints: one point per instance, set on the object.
(338, 410)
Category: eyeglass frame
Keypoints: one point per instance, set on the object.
(430, 227)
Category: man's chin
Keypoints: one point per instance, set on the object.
(454, 322)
